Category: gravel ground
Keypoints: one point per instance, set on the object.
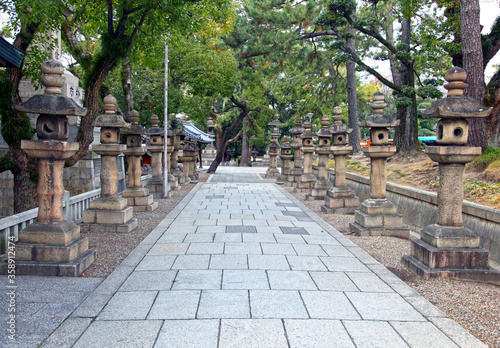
(475, 306)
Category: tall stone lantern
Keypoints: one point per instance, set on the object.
(447, 248)
(307, 179)
(286, 156)
(51, 246)
(272, 170)
(109, 213)
(340, 198)
(174, 161)
(137, 196)
(297, 169)
(322, 184)
(185, 159)
(173, 183)
(378, 216)
(156, 138)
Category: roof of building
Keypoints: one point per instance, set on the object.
(195, 133)
(10, 56)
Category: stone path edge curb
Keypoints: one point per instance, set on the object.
(442, 321)
(70, 330)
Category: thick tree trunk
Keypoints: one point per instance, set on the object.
(492, 100)
(221, 148)
(25, 169)
(352, 97)
(472, 51)
(128, 91)
(245, 145)
(85, 135)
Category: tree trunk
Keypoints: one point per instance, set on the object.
(492, 100)
(221, 148)
(128, 91)
(403, 134)
(472, 51)
(25, 168)
(352, 96)
(85, 135)
(244, 145)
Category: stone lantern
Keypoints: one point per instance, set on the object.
(448, 249)
(378, 216)
(109, 213)
(297, 169)
(51, 246)
(156, 139)
(193, 152)
(185, 159)
(173, 183)
(286, 156)
(272, 170)
(209, 152)
(137, 196)
(307, 179)
(320, 187)
(174, 161)
(340, 198)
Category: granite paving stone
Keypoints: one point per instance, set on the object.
(156, 263)
(197, 279)
(344, 264)
(229, 262)
(290, 280)
(169, 249)
(336, 281)
(228, 238)
(369, 282)
(309, 250)
(123, 334)
(205, 248)
(224, 304)
(243, 248)
(149, 280)
(175, 304)
(259, 238)
(317, 333)
(278, 249)
(269, 262)
(422, 334)
(289, 238)
(245, 279)
(188, 333)
(329, 305)
(191, 262)
(366, 334)
(200, 238)
(277, 304)
(241, 229)
(383, 306)
(131, 305)
(306, 263)
(237, 333)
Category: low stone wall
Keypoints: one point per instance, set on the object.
(419, 209)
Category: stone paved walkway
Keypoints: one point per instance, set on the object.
(244, 264)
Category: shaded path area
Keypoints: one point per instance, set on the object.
(244, 264)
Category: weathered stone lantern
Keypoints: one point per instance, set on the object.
(378, 216)
(307, 179)
(156, 139)
(174, 162)
(137, 196)
(340, 198)
(272, 170)
(109, 213)
(51, 246)
(185, 159)
(286, 156)
(193, 152)
(322, 184)
(297, 169)
(447, 248)
(173, 183)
